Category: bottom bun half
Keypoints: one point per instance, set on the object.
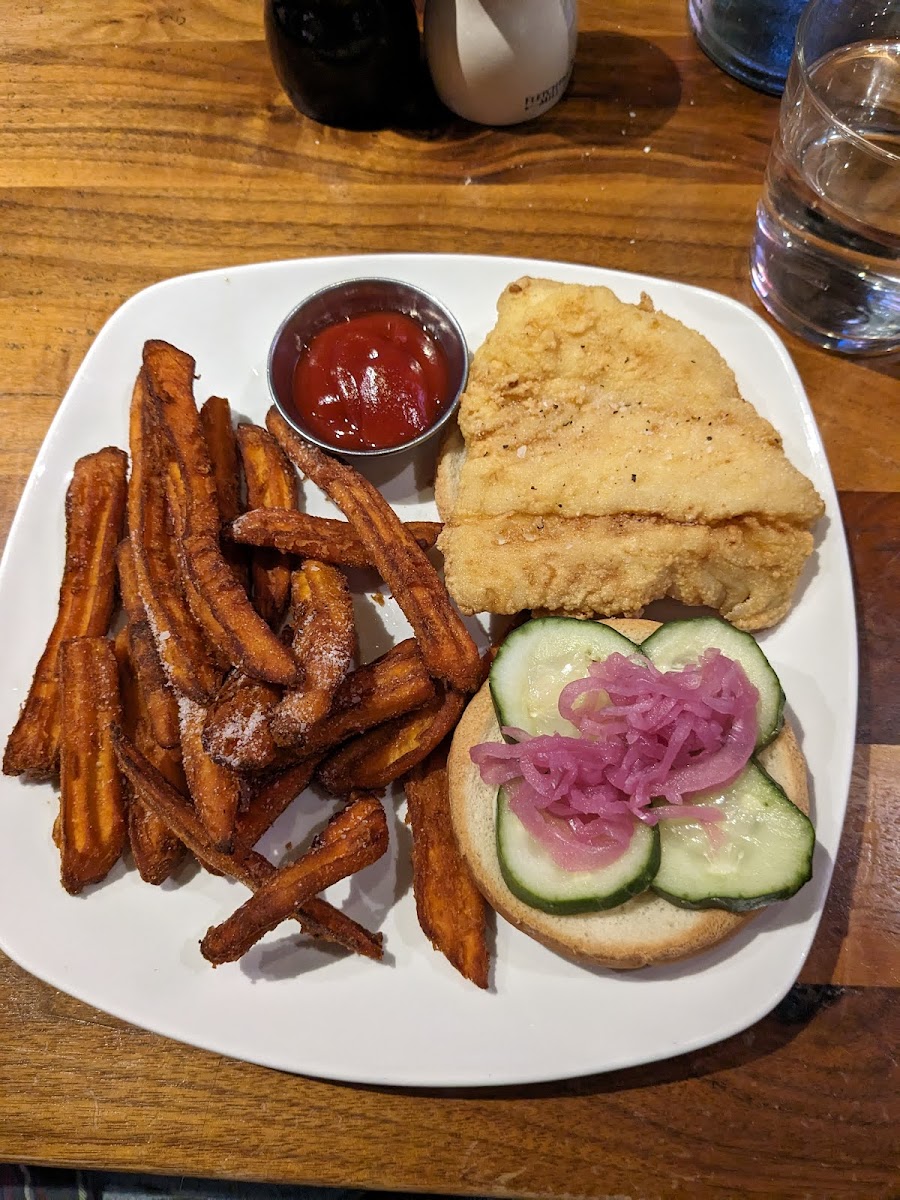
(643, 931)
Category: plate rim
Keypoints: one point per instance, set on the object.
(815, 445)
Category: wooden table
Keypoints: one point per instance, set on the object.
(144, 140)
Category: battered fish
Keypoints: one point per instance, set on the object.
(606, 459)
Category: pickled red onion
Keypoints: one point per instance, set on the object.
(643, 735)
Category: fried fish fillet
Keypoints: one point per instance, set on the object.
(607, 459)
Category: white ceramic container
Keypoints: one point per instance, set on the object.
(498, 62)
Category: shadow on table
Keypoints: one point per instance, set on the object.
(622, 88)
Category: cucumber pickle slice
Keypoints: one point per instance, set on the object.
(760, 851)
(538, 659)
(680, 643)
(532, 874)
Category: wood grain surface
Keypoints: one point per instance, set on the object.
(142, 139)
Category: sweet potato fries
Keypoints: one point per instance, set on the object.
(226, 691)
(95, 506)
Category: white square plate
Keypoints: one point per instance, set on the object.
(132, 950)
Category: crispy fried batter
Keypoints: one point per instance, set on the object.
(382, 755)
(218, 430)
(182, 646)
(92, 826)
(249, 642)
(155, 849)
(446, 646)
(268, 801)
(315, 537)
(214, 789)
(271, 483)
(356, 837)
(324, 645)
(608, 461)
(95, 505)
(236, 733)
(161, 704)
(451, 910)
(317, 917)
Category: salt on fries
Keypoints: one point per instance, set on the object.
(446, 645)
(181, 644)
(155, 849)
(160, 702)
(198, 726)
(247, 639)
(324, 643)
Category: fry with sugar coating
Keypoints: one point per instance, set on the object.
(159, 699)
(318, 918)
(244, 636)
(181, 644)
(95, 507)
(155, 849)
(445, 642)
(236, 732)
(324, 645)
(392, 685)
(451, 910)
(214, 789)
(271, 483)
(354, 839)
(92, 829)
(324, 538)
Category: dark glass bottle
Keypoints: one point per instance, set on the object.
(351, 63)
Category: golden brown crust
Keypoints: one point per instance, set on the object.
(95, 507)
(645, 930)
(446, 645)
(608, 461)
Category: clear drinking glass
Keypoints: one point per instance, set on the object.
(825, 259)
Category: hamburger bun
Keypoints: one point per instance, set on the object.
(646, 929)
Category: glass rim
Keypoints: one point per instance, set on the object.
(806, 17)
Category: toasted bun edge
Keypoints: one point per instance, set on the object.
(645, 930)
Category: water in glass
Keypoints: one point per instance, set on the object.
(826, 256)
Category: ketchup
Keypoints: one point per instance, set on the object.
(370, 382)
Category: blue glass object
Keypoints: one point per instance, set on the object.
(750, 39)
